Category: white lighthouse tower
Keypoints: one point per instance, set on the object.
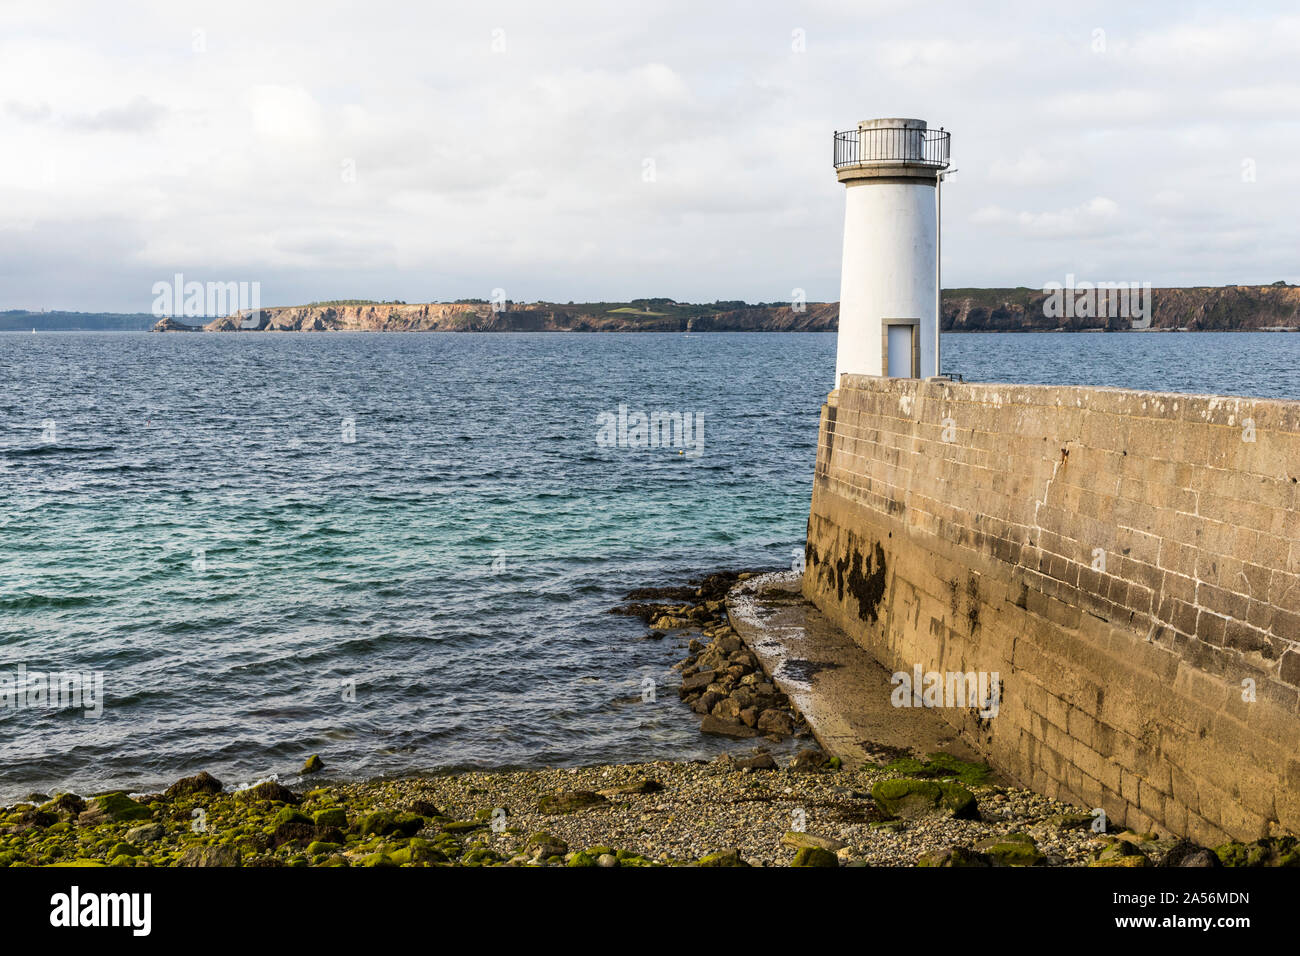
(889, 281)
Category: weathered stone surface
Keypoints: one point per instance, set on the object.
(112, 808)
(954, 856)
(1122, 560)
(726, 728)
(201, 782)
(272, 791)
(219, 855)
(815, 856)
(910, 799)
(570, 802)
(799, 840)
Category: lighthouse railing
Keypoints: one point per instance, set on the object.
(892, 144)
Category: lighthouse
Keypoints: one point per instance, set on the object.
(889, 276)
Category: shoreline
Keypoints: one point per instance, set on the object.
(743, 808)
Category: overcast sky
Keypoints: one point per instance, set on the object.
(436, 150)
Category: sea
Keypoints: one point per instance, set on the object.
(399, 551)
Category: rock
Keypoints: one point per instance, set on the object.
(727, 709)
(332, 817)
(1012, 849)
(313, 765)
(749, 716)
(607, 859)
(293, 833)
(808, 759)
(799, 840)
(774, 722)
(571, 802)
(698, 681)
(543, 846)
(1187, 853)
(201, 782)
(631, 789)
(146, 833)
(761, 760)
(219, 855)
(953, 856)
(706, 701)
(270, 790)
(722, 858)
(112, 808)
(726, 728)
(1121, 850)
(64, 805)
(909, 798)
(424, 808)
(815, 856)
(122, 849)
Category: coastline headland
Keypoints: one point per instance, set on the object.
(1206, 308)
(1127, 563)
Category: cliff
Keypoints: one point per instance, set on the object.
(1232, 308)
(1223, 308)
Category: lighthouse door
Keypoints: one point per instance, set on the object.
(899, 351)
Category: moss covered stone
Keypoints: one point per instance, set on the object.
(722, 858)
(332, 817)
(815, 856)
(910, 798)
(1012, 849)
(112, 808)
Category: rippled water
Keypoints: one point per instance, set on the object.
(237, 529)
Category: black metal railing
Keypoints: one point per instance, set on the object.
(892, 144)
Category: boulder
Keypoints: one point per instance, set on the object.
(953, 856)
(570, 802)
(722, 858)
(112, 808)
(815, 856)
(1011, 849)
(313, 765)
(201, 782)
(219, 855)
(774, 722)
(331, 817)
(272, 791)
(146, 833)
(808, 759)
(726, 728)
(910, 799)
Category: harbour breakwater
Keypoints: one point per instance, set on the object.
(1208, 308)
(1127, 563)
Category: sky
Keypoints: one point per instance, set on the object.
(605, 151)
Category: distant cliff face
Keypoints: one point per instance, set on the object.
(1228, 308)
(1209, 308)
(435, 317)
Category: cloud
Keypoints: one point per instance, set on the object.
(397, 151)
(1092, 218)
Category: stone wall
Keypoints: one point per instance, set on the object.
(1127, 562)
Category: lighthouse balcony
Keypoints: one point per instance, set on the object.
(909, 145)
